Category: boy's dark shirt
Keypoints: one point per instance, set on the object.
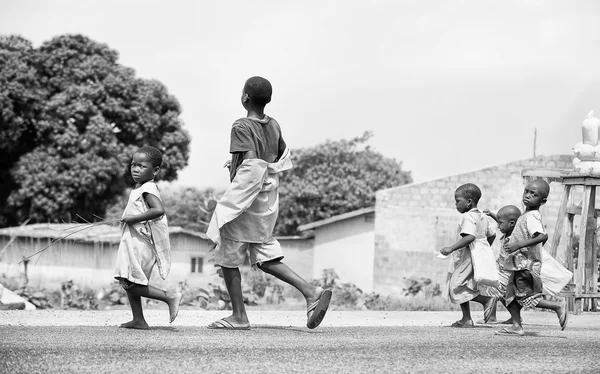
(261, 136)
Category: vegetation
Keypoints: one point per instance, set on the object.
(70, 117)
(334, 178)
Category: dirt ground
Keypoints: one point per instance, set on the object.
(58, 341)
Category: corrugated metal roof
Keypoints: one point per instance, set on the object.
(339, 217)
(80, 231)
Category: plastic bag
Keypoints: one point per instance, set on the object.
(554, 275)
(484, 263)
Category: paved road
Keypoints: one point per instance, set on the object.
(347, 342)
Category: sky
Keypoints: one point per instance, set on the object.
(446, 87)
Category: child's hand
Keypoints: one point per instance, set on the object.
(487, 212)
(511, 248)
(227, 164)
(445, 251)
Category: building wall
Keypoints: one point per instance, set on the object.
(414, 221)
(91, 264)
(347, 247)
(298, 255)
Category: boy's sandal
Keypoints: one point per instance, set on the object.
(563, 319)
(462, 325)
(509, 332)
(223, 324)
(316, 311)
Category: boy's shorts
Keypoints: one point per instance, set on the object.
(232, 254)
(527, 287)
(125, 283)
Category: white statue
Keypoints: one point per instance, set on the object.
(587, 153)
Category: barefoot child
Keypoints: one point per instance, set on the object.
(461, 286)
(246, 214)
(145, 240)
(523, 261)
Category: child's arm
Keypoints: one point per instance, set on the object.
(156, 210)
(463, 242)
(537, 238)
(491, 214)
(249, 155)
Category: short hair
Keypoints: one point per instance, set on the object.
(154, 155)
(543, 187)
(259, 90)
(509, 211)
(470, 191)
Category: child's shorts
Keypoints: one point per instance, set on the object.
(232, 254)
(125, 283)
(528, 287)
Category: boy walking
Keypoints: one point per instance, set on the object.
(523, 261)
(245, 216)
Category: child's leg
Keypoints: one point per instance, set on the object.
(514, 308)
(317, 298)
(281, 271)
(489, 307)
(230, 255)
(233, 282)
(138, 321)
(171, 298)
(466, 320)
(559, 308)
(508, 321)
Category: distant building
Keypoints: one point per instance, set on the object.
(414, 221)
(345, 243)
(88, 256)
(379, 248)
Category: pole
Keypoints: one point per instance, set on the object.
(534, 142)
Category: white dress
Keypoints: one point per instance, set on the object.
(143, 244)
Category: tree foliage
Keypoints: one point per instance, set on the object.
(334, 178)
(70, 118)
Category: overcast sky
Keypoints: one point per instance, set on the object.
(445, 86)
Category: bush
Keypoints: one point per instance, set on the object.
(419, 294)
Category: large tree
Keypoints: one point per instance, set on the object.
(71, 116)
(334, 178)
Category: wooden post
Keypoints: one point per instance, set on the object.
(562, 212)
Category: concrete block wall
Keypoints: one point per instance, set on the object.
(299, 255)
(414, 221)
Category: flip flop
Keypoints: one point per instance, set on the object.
(507, 332)
(490, 310)
(173, 313)
(462, 325)
(316, 311)
(226, 325)
(563, 319)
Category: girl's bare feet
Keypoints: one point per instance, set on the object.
(133, 324)
(174, 306)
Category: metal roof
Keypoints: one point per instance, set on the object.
(80, 231)
(339, 217)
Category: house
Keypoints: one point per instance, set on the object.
(414, 221)
(345, 243)
(86, 254)
(379, 248)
